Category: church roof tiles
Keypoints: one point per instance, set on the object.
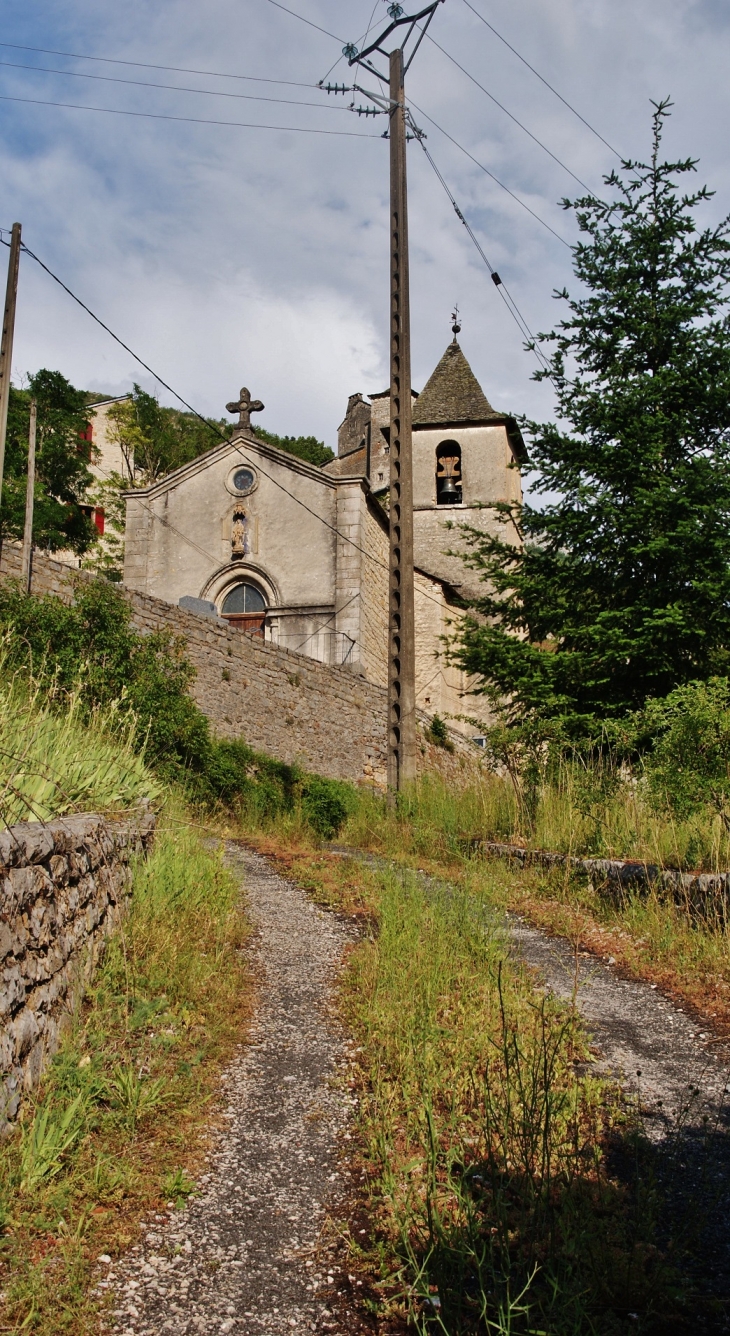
(453, 394)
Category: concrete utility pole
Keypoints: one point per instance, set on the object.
(401, 623)
(401, 629)
(27, 556)
(6, 346)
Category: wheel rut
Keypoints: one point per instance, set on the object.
(251, 1253)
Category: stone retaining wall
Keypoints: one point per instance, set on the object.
(327, 720)
(63, 887)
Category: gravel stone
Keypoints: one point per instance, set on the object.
(242, 1256)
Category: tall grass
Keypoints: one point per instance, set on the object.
(652, 930)
(482, 1142)
(577, 808)
(54, 763)
(118, 1122)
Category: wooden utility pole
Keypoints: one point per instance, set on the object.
(401, 628)
(6, 345)
(27, 556)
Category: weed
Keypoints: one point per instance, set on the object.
(47, 1140)
(438, 734)
(177, 1187)
(135, 1097)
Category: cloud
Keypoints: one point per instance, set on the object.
(229, 256)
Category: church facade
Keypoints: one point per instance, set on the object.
(298, 554)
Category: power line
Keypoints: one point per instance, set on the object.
(188, 120)
(359, 43)
(307, 21)
(145, 65)
(211, 427)
(512, 117)
(539, 76)
(494, 178)
(508, 300)
(175, 88)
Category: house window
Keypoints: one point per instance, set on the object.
(448, 474)
(244, 607)
(99, 518)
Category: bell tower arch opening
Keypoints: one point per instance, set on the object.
(448, 474)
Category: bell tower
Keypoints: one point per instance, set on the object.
(465, 455)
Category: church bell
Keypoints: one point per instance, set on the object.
(447, 478)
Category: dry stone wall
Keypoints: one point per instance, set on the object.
(63, 888)
(326, 719)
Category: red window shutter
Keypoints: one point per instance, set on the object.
(99, 518)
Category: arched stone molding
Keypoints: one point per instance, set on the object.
(238, 572)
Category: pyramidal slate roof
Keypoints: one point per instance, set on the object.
(452, 394)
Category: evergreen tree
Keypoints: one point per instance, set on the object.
(620, 589)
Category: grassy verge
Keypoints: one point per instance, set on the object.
(53, 763)
(684, 949)
(484, 1145)
(120, 1121)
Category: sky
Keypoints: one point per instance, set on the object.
(230, 255)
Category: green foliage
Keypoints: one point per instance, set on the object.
(47, 1140)
(134, 1096)
(56, 761)
(62, 475)
(438, 734)
(304, 447)
(326, 804)
(688, 767)
(621, 591)
(88, 655)
(494, 1210)
(154, 440)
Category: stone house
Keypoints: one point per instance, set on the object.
(298, 554)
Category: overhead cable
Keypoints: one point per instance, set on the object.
(146, 65)
(212, 426)
(539, 76)
(499, 283)
(486, 170)
(174, 88)
(512, 117)
(189, 120)
(307, 21)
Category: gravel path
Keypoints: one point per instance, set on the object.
(251, 1254)
(659, 1051)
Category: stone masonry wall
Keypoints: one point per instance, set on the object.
(63, 887)
(296, 709)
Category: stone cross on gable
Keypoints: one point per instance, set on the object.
(245, 406)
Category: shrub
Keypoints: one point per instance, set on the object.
(326, 805)
(90, 657)
(688, 765)
(438, 734)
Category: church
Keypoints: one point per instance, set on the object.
(298, 554)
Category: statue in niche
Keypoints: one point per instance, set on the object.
(240, 545)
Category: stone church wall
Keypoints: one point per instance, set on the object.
(298, 710)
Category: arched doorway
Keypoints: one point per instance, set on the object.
(244, 607)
